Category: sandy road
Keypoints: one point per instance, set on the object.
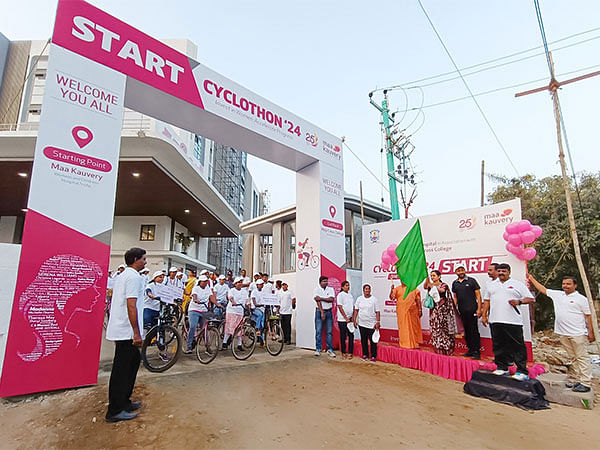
(295, 401)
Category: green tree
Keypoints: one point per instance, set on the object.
(543, 203)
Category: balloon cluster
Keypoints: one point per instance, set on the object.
(388, 257)
(520, 233)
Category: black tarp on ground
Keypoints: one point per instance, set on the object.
(503, 389)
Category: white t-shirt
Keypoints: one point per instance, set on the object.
(127, 285)
(257, 295)
(150, 303)
(346, 301)
(285, 300)
(174, 282)
(238, 297)
(486, 288)
(269, 287)
(499, 294)
(203, 294)
(569, 310)
(246, 280)
(221, 291)
(325, 293)
(367, 307)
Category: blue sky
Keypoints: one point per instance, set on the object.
(320, 59)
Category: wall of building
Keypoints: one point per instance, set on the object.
(126, 232)
(7, 229)
(15, 72)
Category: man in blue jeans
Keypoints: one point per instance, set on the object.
(324, 296)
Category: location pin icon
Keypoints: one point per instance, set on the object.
(332, 211)
(82, 135)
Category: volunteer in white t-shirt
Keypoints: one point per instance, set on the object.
(344, 313)
(287, 301)
(252, 285)
(125, 329)
(324, 295)
(573, 323)
(221, 289)
(202, 297)
(492, 272)
(367, 318)
(235, 311)
(152, 301)
(245, 282)
(503, 303)
(258, 313)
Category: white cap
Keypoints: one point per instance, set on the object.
(203, 271)
(259, 282)
(221, 277)
(145, 269)
(375, 337)
(173, 269)
(121, 266)
(157, 273)
(202, 278)
(238, 280)
(178, 274)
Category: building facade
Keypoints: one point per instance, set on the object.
(179, 196)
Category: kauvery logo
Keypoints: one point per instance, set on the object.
(332, 150)
(504, 217)
(111, 43)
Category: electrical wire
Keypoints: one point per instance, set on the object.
(432, 77)
(365, 166)
(469, 90)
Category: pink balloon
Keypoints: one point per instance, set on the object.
(521, 256)
(505, 236)
(528, 237)
(511, 228)
(514, 249)
(523, 225)
(515, 239)
(529, 253)
(537, 231)
(385, 259)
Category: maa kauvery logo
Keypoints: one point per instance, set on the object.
(499, 218)
(332, 150)
(374, 236)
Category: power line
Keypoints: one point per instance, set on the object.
(365, 166)
(504, 88)
(483, 63)
(469, 89)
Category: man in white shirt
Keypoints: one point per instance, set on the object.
(492, 272)
(221, 289)
(503, 303)
(202, 297)
(245, 281)
(345, 311)
(324, 296)
(125, 329)
(573, 323)
(288, 303)
(258, 313)
(252, 285)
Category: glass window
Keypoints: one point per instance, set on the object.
(289, 246)
(357, 232)
(147, 232)
(199, 148)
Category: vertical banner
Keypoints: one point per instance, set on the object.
(55, 329)
(470, 238)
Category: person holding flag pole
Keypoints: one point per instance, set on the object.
(412, 271)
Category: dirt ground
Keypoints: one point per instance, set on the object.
(292, 402)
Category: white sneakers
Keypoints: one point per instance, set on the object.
(520, 377)
(330, 353)
(318, 353)
(500, 372)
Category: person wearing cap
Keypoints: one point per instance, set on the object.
(189, 285)
(344, 314)
(144, 273)
(367, 317)
(258, 313)
(172, 278)
(288, 303)
(267, 286)
(235, 312)
(252, 285)
(152, 300)
(183, 275)
(119, 270)
(202, 297)
(221, 289)
(324, 297)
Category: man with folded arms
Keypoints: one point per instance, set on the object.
(573, 323)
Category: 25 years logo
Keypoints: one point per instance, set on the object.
(467, 223)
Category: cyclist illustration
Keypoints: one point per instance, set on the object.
(306, 256)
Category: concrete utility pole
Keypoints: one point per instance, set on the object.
(553, 87)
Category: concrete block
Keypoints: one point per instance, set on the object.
(556, 392)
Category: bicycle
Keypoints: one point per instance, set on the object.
(305, 259)
(272, 332)
(207, 340)
(247, 333)
(162, 345)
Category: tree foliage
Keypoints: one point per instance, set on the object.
(543, 203)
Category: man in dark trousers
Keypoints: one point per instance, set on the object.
(125, 329)
(467, 297)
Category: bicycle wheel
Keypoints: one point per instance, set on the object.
(244, 349)
(274, 338)
(301, 264)
(161, 348)
(207, 345)
(314, 261)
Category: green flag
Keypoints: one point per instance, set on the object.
(411, 265)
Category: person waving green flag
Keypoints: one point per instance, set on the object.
(411, 265)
